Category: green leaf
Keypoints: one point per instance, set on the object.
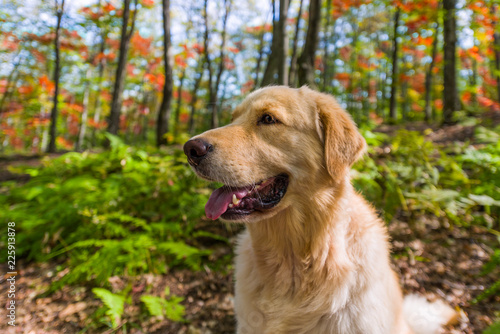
(159, 307)
(113, 302)
(484, 200)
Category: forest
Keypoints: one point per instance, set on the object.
(97, 98)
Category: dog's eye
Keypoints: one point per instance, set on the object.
(267, 119)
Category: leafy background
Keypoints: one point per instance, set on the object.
(111, 235)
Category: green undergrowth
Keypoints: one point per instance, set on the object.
(129, 211)
(120, 212)
(407, 176)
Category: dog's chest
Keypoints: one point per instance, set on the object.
(264, 305)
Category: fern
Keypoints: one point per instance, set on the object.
(114, 304)
(160, 307)
(492, 290)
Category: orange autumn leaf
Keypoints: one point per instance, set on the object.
(342, 76)
(439, 104)
(466, 97)
(484, 101)
(179, 61)
(46, 83)
(25, 89)
(67, 144)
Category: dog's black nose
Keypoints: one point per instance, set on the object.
(196, 150)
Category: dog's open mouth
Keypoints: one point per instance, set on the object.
(233, 203)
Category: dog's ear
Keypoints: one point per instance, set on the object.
(343, 142)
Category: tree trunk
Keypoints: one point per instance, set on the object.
(213, 88)
(496, 48)
(215, 91)
(144, 130)
(208, 61)
(97, 102)
(429, 77)
(383, 89)
(57, 47)
(83, 120)
(162, 125)
(259, 58)
(393, 116)
(404, 93)
(450, 94)
(126, 34)
(474, 87)
(307, 58)
(194, 97)
(276, 62)
(326, 38)
(179, 102)
(292, 76)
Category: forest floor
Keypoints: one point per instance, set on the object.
(431, 258)
(440, 262)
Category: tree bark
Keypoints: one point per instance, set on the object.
(496, 49)
(259, 58)
(292, 76)
(213, 88)
(215, 91)
(57, 48)
(429, 77)
(126, 34)
(405, 106)
(326, 75)
(83, 119)
(276, 62)
(97, 102)
(194, 97)
(307, 58)
(162, 124)
(179, 102)
(393, 116)
(208, 61)
(450, 94)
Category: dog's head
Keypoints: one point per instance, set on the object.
(281, 143)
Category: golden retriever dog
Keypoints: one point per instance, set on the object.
(314, 257)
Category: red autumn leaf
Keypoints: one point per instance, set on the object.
(484, 101)
(466, 97)
(247, 86)
(25, 89)
(345, 52)
(439, 104)
(108, 7)
(342, 76)
(46, 83)
(141, 45)
(65, 143)
(184, 117)
(179, 61)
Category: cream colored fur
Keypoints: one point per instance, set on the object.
(319, 261)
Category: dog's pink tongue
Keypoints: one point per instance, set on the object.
(220, 199)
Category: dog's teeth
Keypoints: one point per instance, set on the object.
(230, 205)
(235, 200)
